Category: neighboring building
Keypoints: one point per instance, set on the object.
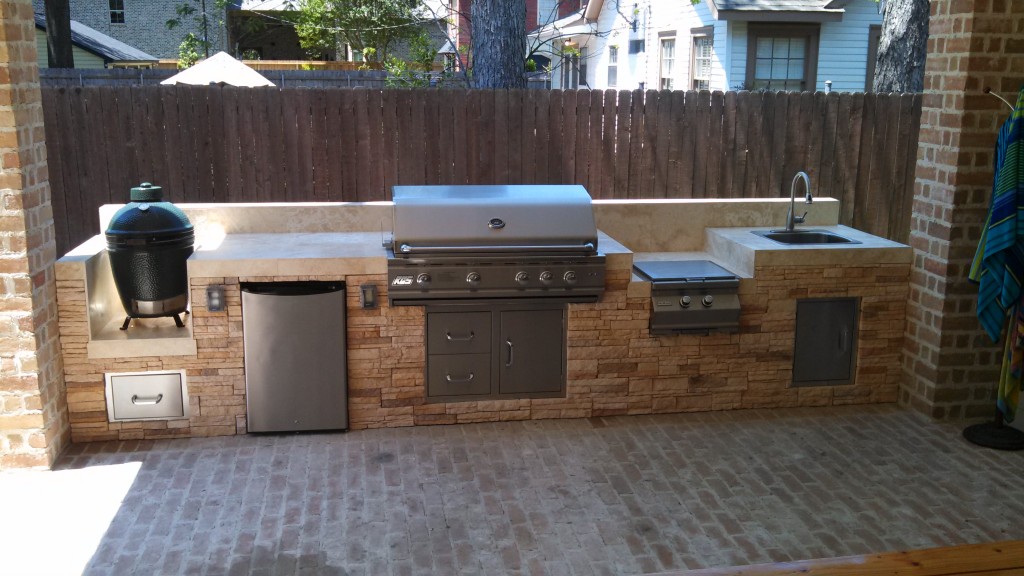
(143, 23)
(716, 45)
(93, 49)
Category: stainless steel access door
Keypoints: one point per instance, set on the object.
(295, 361)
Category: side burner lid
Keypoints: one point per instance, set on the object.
(682, 271)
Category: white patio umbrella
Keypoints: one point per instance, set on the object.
(221, 68)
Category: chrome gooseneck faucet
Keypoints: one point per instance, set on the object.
(791, 218)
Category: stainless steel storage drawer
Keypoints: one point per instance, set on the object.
(147, 396)
(459, 332)
(458, 375)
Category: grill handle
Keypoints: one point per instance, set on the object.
(585, 248)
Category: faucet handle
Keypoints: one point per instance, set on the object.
(799, 219)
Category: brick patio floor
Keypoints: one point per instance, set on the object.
(622, 495)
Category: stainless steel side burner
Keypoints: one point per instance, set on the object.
(691, 296)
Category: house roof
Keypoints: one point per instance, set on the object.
(91, 40)
(778, 10)
(265, 5)
(573, 24)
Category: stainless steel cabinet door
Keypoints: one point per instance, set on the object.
(826, 337)
(459, 374)
(532, 351)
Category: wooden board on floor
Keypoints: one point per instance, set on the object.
(989, 559)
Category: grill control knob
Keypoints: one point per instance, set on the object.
(707, 301)
(546, 277)
(522, 277)
(684, 301)
(473, 278)
(423, 279)
(569, 277)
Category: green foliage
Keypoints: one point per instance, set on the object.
(379, 24)
(531, 66)
(188, 51)
(191, 11)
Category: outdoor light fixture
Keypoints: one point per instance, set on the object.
(215, 298)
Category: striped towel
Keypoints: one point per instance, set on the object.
(998, 265)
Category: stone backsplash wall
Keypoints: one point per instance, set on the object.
(614, 365)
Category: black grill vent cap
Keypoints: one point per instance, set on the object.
(147, 192)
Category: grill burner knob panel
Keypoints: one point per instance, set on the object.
(423, 279)
(473, 278)
(569, 277)
(684, 301)
(546, 277)
(522, 277)
(707, 301)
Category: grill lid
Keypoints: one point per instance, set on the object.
(488, 219)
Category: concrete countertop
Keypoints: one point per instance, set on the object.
(289, 254)
(742, 251)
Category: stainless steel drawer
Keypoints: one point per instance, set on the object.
(458, 332)
(147, 396)
(458, 375)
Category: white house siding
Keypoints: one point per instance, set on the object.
(655, 17)
(737, 75)
(843, 48)
(82, 58)
(547, 11)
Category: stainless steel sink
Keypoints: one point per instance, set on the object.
(804, 237)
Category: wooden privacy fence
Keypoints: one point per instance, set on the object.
(225, 144)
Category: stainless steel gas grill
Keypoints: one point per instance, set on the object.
(691, 296)
(493, 242)
(495, 267)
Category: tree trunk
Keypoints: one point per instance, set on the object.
(58, 34)
(499, 43)
(902, 47)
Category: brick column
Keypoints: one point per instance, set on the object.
(951, 368)
(33, 404)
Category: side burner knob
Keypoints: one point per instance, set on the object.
(522, 277)
(423, 279)
(684, 301)
(546, 277)
(707, 301)
(473, 278)
(569, 277)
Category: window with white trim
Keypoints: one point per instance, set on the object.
(613, 66)
(667, 63)
(701, 54)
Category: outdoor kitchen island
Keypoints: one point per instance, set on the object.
(614, 365)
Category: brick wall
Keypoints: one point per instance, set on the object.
(33, 415)
(951, 367)
(614, 365)
(144, 23)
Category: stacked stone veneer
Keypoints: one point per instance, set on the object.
(614, 365)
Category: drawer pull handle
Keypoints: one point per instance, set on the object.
(451, 380)
(511, 350)
(147, 401)
(460, 338)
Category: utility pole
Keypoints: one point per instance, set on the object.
(206, 36)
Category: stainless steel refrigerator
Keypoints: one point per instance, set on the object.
(295, 356)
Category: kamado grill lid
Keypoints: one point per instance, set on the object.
(682, 271)
(506, 219)
(147, 215)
